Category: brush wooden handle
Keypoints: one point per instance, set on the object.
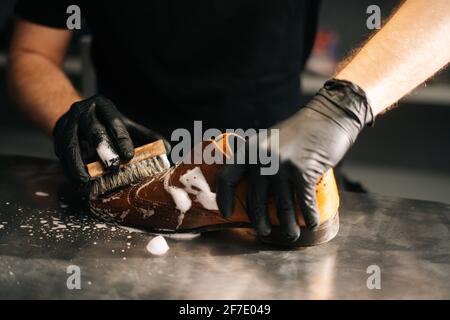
(147, 151)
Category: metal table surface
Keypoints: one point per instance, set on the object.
(40, 236)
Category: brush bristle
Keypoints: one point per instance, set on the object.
(129, 174)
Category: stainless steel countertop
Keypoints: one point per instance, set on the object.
(42, 235)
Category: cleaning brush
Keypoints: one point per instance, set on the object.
(148, 160)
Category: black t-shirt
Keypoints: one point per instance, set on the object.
(166, 63)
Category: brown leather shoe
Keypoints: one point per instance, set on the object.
(179, 200)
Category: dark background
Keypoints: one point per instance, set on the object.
(405, 154)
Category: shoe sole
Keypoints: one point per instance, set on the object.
(308, 238)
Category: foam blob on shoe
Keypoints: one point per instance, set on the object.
(158, 246)
(180, 197)
(195, 183)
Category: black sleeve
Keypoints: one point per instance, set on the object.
(50, 13)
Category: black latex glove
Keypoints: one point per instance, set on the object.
(78, 133)
(311, 141)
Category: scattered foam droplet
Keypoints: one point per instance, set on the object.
(179, 196)
(157, 246)
(182, 236)
(131, 230)
(41, 194)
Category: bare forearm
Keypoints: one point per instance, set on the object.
(410, 48)
(40, 88)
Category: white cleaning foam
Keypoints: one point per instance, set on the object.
(196, 184)
(106, 153)
(157, 246)
(165, 160)
(207, 200)
(181, 198)
(194, 181)
(41, 194)
(131, 230)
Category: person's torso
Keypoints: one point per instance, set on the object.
(230, 63)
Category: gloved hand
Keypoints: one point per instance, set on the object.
(310, 142)
(93, 129)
